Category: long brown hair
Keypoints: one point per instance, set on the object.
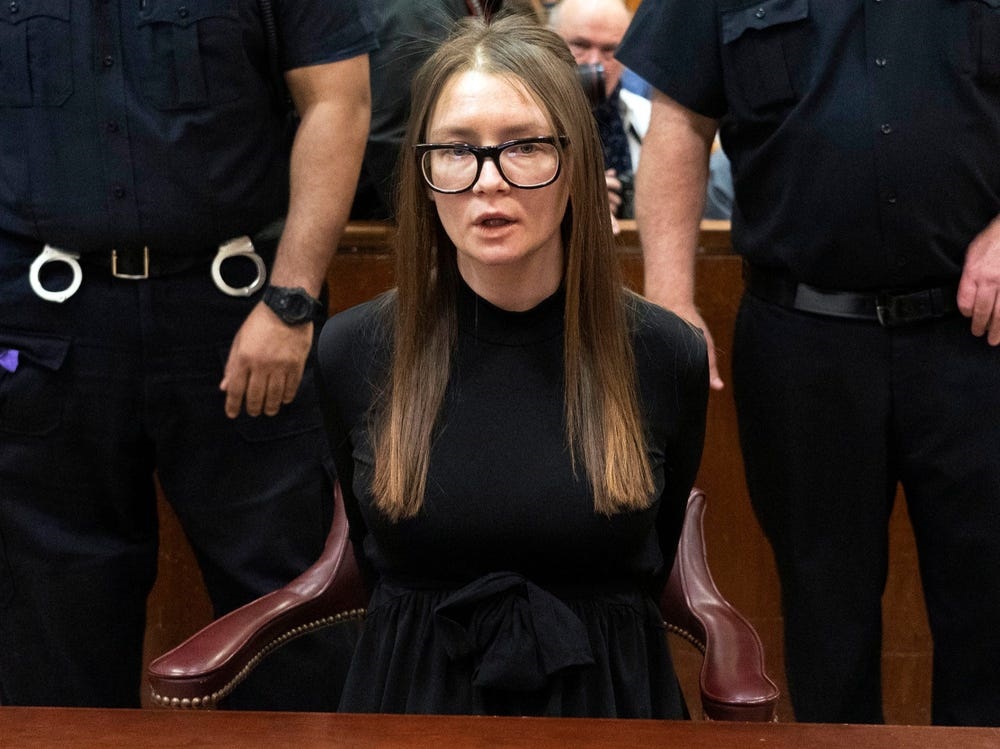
(603, 427)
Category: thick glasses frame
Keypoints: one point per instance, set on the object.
(491, 152)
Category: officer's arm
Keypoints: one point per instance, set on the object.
(334, 103)
(268, 357)
(670, 200)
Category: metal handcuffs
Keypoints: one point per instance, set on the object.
(238, 247)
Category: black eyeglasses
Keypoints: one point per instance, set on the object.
(527, 163)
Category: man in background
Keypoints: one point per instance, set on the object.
(593, 30)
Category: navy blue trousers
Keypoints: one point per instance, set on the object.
(119, 381)
(833, 415)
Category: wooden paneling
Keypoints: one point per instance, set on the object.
(43, 728)
(739, 556)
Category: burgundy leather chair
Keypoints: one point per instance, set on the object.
(205, 668)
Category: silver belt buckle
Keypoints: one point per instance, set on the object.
(131, 276)
(238, 247)
(50, 254)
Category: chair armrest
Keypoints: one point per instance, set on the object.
(734, 683)
(208, 665)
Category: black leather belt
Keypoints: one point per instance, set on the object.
(139, 263)
(888, 308)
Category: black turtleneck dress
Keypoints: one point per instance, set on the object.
(507, 594)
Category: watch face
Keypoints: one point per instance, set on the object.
(294, 306)
(291, 305)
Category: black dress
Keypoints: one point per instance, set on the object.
(507, 593)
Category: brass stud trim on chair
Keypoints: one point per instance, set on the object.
(686, 635)
(211, 701)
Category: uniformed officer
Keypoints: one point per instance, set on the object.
(863, 137)
(154, 317)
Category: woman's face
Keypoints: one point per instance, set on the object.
(508, 238)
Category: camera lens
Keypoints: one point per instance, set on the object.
(591, 77)
(627, 208)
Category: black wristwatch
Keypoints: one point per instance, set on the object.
(293, 305)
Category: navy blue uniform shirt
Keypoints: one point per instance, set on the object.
(152, 121)
(864, 134)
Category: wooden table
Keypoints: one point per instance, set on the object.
(45, 728)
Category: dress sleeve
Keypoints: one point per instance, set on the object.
(684, 455)
(672, 361)
(344, 353)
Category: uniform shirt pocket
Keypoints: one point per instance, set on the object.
(972, 34)
(190, 52)
(758, 49)
(36, 59)
(33, 396)
(988, 42)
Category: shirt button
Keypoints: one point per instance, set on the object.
(760, 13)
(108, 61)
(886, 128)
(891, 199)
(881, 61)
(182, 12)
(14, 7)
(119, 191)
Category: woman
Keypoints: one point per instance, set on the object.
(515, 433)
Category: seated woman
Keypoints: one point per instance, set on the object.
(515, 433)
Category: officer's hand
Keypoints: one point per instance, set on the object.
(614, 198)
(265, 364)
(979, 288)
(693, 316)
(614, 191)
